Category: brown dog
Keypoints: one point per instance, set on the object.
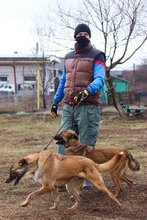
(100, 155)
(53, 170)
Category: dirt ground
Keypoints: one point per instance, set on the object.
(21, 135)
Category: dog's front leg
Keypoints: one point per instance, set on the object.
(56, 199)
(129, 182)
(116, 180)
(36, 193)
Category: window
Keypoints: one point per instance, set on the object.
(3, 79)
(29, 78)
(54, 73)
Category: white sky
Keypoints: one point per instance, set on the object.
(17, 19)
(16, 22)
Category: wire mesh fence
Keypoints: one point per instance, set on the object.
(23, 102)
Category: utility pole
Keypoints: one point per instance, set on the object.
(133, 74)
(15, 74)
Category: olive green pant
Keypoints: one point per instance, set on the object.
(85, 123)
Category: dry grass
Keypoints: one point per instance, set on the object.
(21, 135)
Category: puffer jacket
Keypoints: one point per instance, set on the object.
(79, 74)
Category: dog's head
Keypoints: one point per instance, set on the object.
(25, 166)
(66, 137)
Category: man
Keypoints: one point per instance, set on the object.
(83, 77)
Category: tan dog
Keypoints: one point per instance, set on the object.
(100, 155)
(53, 170)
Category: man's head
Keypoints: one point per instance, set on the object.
(82, 30)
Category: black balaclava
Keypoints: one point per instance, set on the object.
(82, 41)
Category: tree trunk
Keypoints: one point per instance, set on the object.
(114, 96)
(44, 100)
(44, 82)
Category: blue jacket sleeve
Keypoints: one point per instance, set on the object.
(99, 75)
(59, 94)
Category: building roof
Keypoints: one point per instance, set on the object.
(27, 59)
(116, 72)
(119, 78)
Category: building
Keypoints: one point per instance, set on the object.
(19, 74)
(120, 86)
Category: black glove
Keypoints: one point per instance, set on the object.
(54, 110)
(82, 96)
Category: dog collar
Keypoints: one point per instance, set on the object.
(68, 146)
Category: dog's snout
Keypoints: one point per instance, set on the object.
(57, 137)
(7, 180)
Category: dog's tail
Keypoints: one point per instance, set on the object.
(115, 162)
(133, 163)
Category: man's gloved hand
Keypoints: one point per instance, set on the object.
(54, 110)
(82, 96)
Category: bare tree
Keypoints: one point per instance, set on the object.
(46, 62)
(44, 84)
(137, 77)
(118, 24)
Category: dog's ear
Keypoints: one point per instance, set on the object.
(23, 162)
(72, 136)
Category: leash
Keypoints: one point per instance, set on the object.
(46, 147)
(73, 115)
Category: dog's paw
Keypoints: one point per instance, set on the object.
(121, 207)
(69, 209)
(53, 208)
(73, 207)
(24, 204)
(71, 196)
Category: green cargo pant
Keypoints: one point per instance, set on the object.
(85, 123)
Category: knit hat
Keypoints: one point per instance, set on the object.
(82, 28)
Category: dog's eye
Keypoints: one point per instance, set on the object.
(23, 162)
(20, 164)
